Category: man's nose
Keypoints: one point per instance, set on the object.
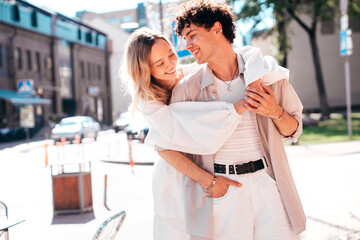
(188, 45)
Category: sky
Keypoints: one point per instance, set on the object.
(70, 7)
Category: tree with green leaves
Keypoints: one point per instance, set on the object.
(286, 10)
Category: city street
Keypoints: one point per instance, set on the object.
(327, 177)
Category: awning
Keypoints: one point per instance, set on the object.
(20, 100)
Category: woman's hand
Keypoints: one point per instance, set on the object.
(221, 186)
(262, 101)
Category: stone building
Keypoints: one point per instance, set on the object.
(66, 60)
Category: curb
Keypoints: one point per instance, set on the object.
(127, 162)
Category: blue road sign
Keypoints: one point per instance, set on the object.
(343, 43)
(25, 87)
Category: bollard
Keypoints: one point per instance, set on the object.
(46, 153)
(63, 140)
(105, 193)
(77, 142)
(132, 163)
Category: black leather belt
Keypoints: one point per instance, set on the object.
(238, 169)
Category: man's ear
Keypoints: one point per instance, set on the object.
(217, 27)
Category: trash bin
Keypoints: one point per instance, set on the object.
(71, 184)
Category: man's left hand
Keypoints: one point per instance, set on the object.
(262, 101)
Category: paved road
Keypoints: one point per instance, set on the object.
(327, 177)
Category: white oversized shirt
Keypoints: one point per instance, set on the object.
(203, 127)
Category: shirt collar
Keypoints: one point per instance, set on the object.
(208, 76)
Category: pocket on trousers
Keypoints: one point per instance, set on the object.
(226, 194)
(269, 178)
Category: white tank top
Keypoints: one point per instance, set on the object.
(244, 144)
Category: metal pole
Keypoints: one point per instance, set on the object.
(161, 17)
(348, 96)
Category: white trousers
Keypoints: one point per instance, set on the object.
(253, 212)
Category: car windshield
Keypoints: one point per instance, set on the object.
(68, 123)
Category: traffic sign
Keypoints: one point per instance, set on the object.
(343, 48)
(25, 87)
(344, 22)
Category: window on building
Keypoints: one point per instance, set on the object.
(79, 34)
(99, 72)
(29, 60)
(88, 37)
(48, 67)
(37, 64)
(1, 56)
(94, 71)
(97, 40)
(82, 69)
(89, 71)
(18, 58)
(34, 19)
(16, 13)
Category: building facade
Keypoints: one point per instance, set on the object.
(67, 61)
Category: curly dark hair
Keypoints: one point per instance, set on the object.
(205, 13)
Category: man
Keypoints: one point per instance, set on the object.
(267, 205)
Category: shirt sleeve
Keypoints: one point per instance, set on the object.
(191, 127)
(292, 105)
(261, 67)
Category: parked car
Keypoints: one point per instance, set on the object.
(71, 126)
(137, 129)
(123, 120)
(11, 134)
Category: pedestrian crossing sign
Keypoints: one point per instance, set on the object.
(25, 87)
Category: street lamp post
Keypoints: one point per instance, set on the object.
(161, 16)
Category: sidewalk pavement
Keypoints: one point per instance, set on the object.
(327, 177)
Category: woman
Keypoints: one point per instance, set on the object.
(151, 66)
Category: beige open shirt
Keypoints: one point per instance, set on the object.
(198, 86)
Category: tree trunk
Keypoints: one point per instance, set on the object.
(324, 107)
(282, 39)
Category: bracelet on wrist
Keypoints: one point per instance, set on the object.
(212, 184)
(282, 116)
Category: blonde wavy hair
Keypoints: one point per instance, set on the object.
(136, 71)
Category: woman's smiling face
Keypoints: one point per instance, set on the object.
(163, 63)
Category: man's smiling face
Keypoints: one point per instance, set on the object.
(200, 42)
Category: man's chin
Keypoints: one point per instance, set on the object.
(199, 61)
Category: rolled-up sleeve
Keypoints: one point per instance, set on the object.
(291, 103)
